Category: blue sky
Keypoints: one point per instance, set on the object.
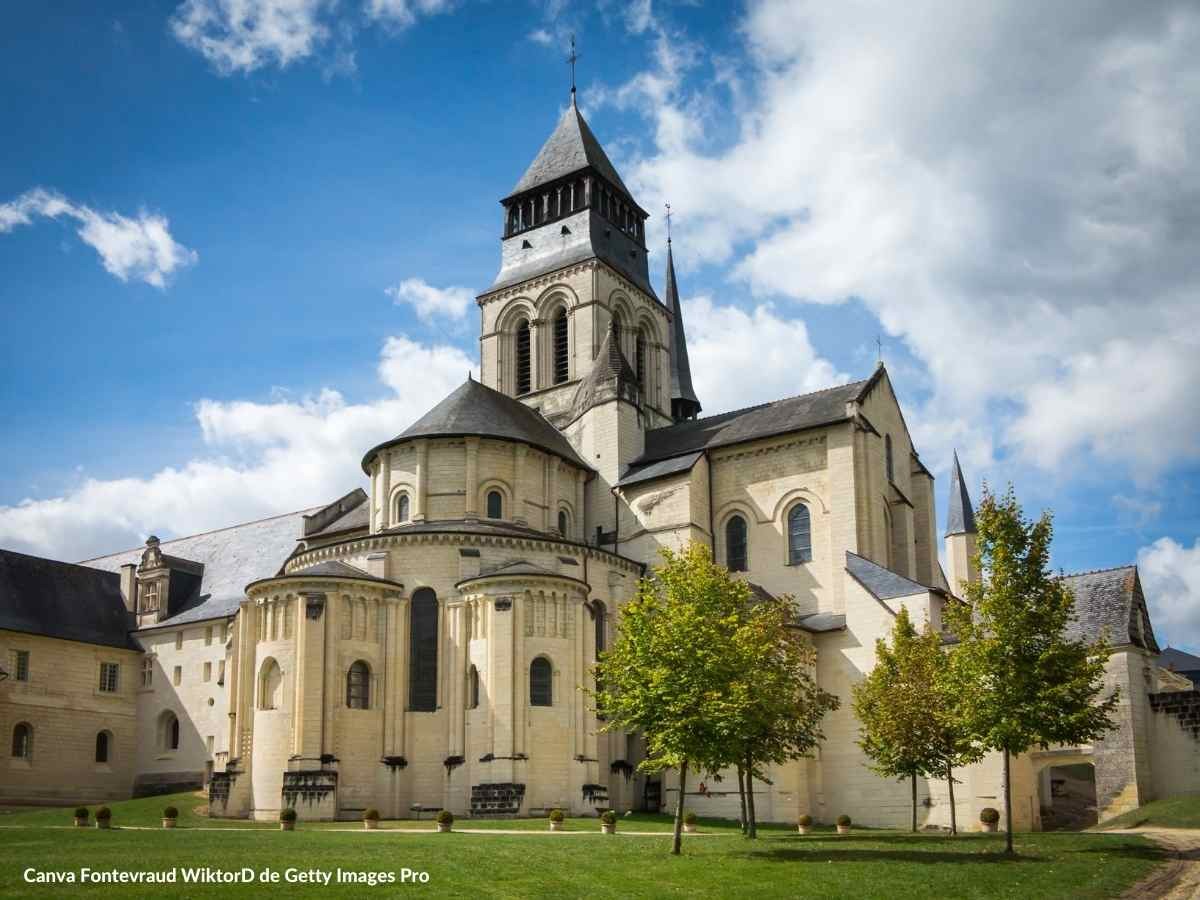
(216, 234)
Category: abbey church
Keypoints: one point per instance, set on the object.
(421, 644)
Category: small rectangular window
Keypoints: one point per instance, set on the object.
(147, 672)
(220, 671)
(208, 636)
(179, 640)
(108, 677)
(21, 665)
(177, 677)
(208, 671)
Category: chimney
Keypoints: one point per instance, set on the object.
(129, 586)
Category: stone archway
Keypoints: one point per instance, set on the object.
(1067, 796)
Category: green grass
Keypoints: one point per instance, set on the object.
(722, 864)
(1174, 812)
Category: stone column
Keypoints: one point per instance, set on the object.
(385, 511)
(552, 492)
(471, 487)
(418, 503)
(309, 681)
(519, 453)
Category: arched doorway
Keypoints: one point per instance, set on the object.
(1067, 795)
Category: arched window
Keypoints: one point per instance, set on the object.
(640, 360)
(887, 457)
(270, 685)
(358, 686)
(402, 508)
(495, 505)
(563, 524)
(799, 535)
(473, 688)
(541, 682)
(168, 731)
(523, 371)
(561, 359)
(601, 614)
(423, 651)
(22, 743)
(617, 325)
(735, 544)
(102, 740)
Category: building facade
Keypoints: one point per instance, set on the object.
(426, 643)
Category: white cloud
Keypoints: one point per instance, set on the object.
(262, 459)
(405, 12)
(1171, 581)
(139, 248)
(541, 36)
(1007, 188)
(431, 302)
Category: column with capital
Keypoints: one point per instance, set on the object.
(471, 486)
(385, 511)
(519, 453)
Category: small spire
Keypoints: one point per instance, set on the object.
(572, 59)
(470, 377)
(668, 205)
(961, 515)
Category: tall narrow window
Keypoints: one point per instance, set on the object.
(617, 325)
(102, 747)
(22, 742)
(523, 372)
(735, 544)
(270, 685)
(423, 651)
(473, 688)
(640, 360)
(148, 671)
(563, 524)
(358, 686)
(173, 734)
(561, 367)
(495, 505)
(541, 683)
(21, 665)
(108, 677)
(168, 731)
(402, 508)
(600, 628)
(887, 457)
(799, 535)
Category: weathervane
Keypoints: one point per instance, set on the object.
(879, 347)
(668, 205)
(571, 59)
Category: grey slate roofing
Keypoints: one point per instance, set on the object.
(233, 558)
(62, 600)
(660, 469)
(681, 369)
(356, 518)
(476, 410)
(329, 517)
(779, 417)
(334, 568)
(571, 147)
(813, 623)
(884, 584)
(961, 517)
(1178, 660)
(1111, 601)
(609, 377)
(522, 567)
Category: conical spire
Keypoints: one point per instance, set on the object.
(610, 377)
(961, 517)
(684, 403)
(571, 148)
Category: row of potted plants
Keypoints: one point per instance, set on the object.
(988, 816)
(104, 817)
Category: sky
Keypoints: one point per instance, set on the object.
(240, 240)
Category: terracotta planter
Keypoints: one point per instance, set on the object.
(102, 823)
(556, 826)
(690, 829)
(287, 826)
(371, 824)
(804, 829)
(80, 822)
(990, 826)
(443, 828)
(168, 823)
(843, 829)
(608, 829)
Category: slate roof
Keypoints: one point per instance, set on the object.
(961, 517)
(571, 147)
(1111, 601)
(813, 623)
(334, 516)
(476, 410)
(233, 558)
(334, 568)
(883, 584)
(779, 417)
(660, 469)
(62, 600)
(356, 518)
(1178, 660)
(522, 567)
(681, 369)
(609, 377)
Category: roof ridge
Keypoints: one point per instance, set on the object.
(297, 512)
(1098, 571)
(744, 409)
(58, 562)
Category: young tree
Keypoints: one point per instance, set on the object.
(1023, 681)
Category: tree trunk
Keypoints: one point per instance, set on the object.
(675, 847)
(914, 802)
(953, 813)
(741, 777)
(753, 832)
(1008, 828)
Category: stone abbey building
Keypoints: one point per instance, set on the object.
(423, 642)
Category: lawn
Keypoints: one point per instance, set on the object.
(1174, 812)
(718, 863)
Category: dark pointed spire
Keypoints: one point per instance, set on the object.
(684, 403)
(610, 377)
(961, 517)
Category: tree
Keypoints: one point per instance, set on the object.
(908, 714)
(1022, 680)
(673, 662)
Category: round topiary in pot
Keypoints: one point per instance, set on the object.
(608, 822)
(103, 817)
(556, 819)
(690, 819)
(371, 819)
(804, 824)
(843, 824)
(287, 819)
(990, 818)
(170, 814)
(445, 819)
(81, 817)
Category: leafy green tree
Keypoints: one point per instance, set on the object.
(1022, 680)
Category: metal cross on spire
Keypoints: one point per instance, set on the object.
(572, 59)
(668, 205)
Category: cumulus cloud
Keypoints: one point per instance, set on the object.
(404, 12)
(1171, 581)
(431, 302)
(261, 459)
(140, 248)
(1009, 189)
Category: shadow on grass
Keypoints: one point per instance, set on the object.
(827, 853)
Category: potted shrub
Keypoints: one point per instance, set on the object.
(81, 817)
(103, 817)
(170, 814)
(445, 819)
(804, 824)
(608, 822)
(287, 819)
(990, 818)
(556, 820)
(371, 819)
(689, 821)
(843, 824)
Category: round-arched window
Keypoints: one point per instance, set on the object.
(168, 731)
(541, 682)
(799, 530)
(563, 524)
(358, 686)
(735, 544)
(402, 508)
(103, 742)
(22, 741)
(524, 379)
(270, 685)
(495, 505)
(561, 357)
